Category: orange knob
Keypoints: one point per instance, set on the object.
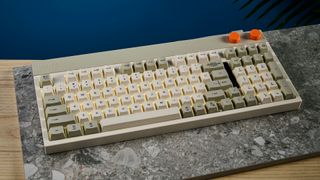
(255, 34)
(234, 37)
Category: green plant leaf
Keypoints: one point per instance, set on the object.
(256, 8)
(246, 4)
(272, 6)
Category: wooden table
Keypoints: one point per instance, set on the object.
(11, 162)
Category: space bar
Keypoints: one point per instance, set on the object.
(139, 119)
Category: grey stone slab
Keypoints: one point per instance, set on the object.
(199, 152)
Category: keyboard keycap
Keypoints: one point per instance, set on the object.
(56, 110)
(51, 101)
(61, 120)
(91, 127)
(56, 133)
(74, 130)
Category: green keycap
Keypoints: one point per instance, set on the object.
(126, 69)
(235, 62)
(238, 102)
(250, 100)
(233, 92)
(51, 101)
(45, 80)
(56, 133)
(252, 49)
(275, 71)
(61, 120)
(186, 111)
(286, 89)
(151, 65)
(219, 74)
(90, 127)
(199, 109)
(213, 85)
(138, 67)
(246, 60)
(215, 95)
(229, 53)
(262, 48)
(162, 63)
(257, 58)
(74, 130)
(211, 107)
(56, 110)
(225, 83)
(226, 104)
(241, 51)
(267, 57)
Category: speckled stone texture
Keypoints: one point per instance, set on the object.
(197, 152)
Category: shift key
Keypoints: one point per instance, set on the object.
(56, 110)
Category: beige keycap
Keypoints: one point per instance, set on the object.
(238, 102)
(148, 76)
(123, 79)
(111, 81)
(151, 96)
(138, 98)
(84, 75)
(202, 58)
(215, 95)
(96, 72)
(162, 63)
(193, 79)
(225, 83)
(172, 72)
(126, 69)
(86, 85)
(219, 74)
(200, 88)
(73, 87)
(135, 108)
(94, 94)
(138, 67)
(286, 89)
(275, 70)
(151, 65)
(179, 60)
(110, 112)
(99, 83)
(251, 69)
(195, 69)
(60, 88)
(47, 90)
(271, 85)
(191, 59)
(145, 87)
(175, 92)
(82, 96)
(213, 85)
(181, 81)
(247, 89)
(68, 98)
(147, 106)
(185, 100)
(233, 92)
(163, 94)
(187, 90)
(126, 100)
(123, 110)
(255, 78)
(113, 101)
(241, 51)
(229, 53)
(214, 56)
(45, 80)
(266, 76)
(61, 120)
(87, 105)
(169, 83)
(264, 97)
(199, 109)
(108, 71)
(157, 85)
(260, 87)
(74, 130)
(91, 127)
(239, 71)
(226, 104)
(262, 67)
(252, 49)
(257, 58)
(197, 98)
(100, 103)
(108, 92)
(205, 77)
(268, 57)
(56, 133)
(133, 89)
(160, 74)
(56, 110)
(174, 102)
(74, 107)
(276, 95)
(186, 111)
(243, 80)
(51, 101)
(136, 77)
(246, 60)
(121, 90)
(183, 70)
(83, 117)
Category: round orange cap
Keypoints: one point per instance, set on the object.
(255, 34)
(234, 37)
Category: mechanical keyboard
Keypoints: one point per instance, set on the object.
(119, 95)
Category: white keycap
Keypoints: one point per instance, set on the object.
(68, 98)
(100, 103)
(86, 85)
(174, 102)
(47, 90)
(74, 107)
(82, 96)
(121, 90)
(264, 97)
(214, 56)
(111, 81)
(123, 79)
(108, 71)
(87, 105)
(195, 69)
(239, 71)
(197, 98)
(271, 85)
(71, 76)
(262, 67)
(136, 77)
(183, 70)
(110, 112)
(255, 78)
(135, 108)
(133, 89)
(247, 89)
(172, 72)
(276, 95)
(145, 87)
(200, 88)
(108, 92)
(266, 76)
(193, 79)
(151, 96)
(147, 106)
(60, 88)
(161, 104)
(179, 61)
(169, 83)
(94, 94)
(187, 90)
(157, 84)
(73, 86)
(98, 83)
(138, 98)
(160, 74)
(148, 76)
(113, 101)
(260, 87)
(175, 92)
(123, 110)
(205, 77)
(191, 59)
(96, 72)
(185, 100)
(84, 75)
(243, 80)
(83, 117)
(126, 100)
(164, 94)
(96, 115)
(202, 58)
(251, 69)
(182, 81)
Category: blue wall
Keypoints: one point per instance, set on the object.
(56, 28)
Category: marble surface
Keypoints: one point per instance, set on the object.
(196, 152)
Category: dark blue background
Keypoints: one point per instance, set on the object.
(46, 29)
